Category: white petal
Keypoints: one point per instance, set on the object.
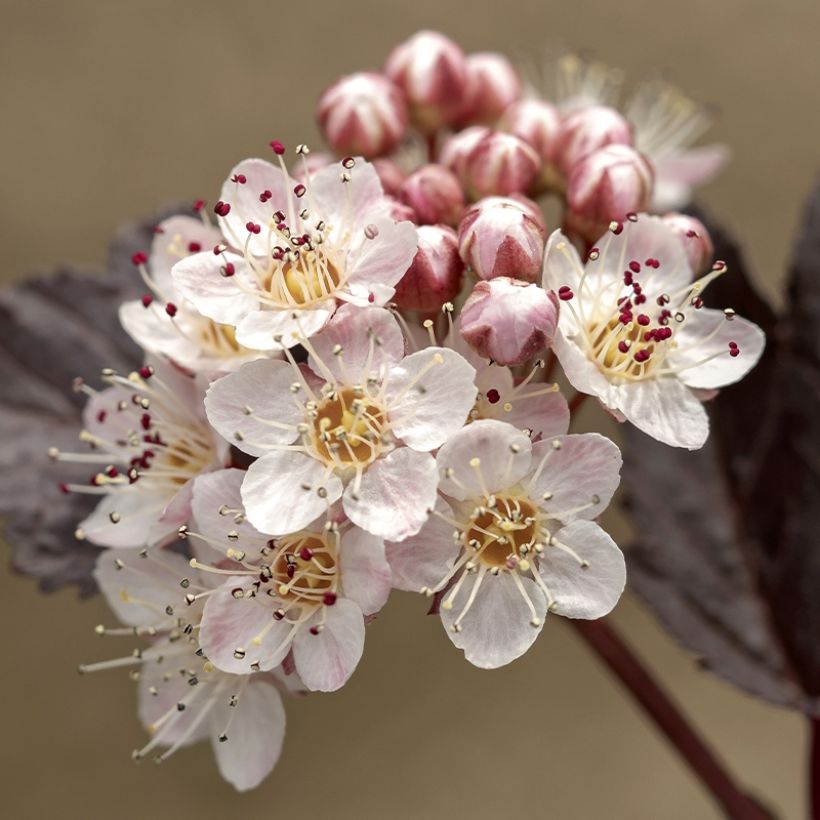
(665, 409)
(173, 241)
(256, 731)
(369, 338)
(429, 395)
(582, 373)
(503, 453)
(498, 627)
(706, 335)
(384, 259)
(424, 559)
(580, 592)
(394, 494)
(562, 265)
(199, 279)
(346, 205)
(263, 387)
(281, 492)
(586, 466)
(365, 572)
(276, 328)
(136, 512)
(325, 661)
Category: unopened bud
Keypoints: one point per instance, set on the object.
(362, 114)
(436, 273)
(586, 130)
(431, 70)
(434, 194)
(700, 250)
(399, 212)
(492, 85)
(501, 164)
(508, 321)
(390, 174)
(538, 123)
(503, 236)
(605, 186)
(455, 153)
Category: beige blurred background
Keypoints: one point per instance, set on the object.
(110, 108)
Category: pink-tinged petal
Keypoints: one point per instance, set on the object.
(255, 733)
(139, 589)
(176, 513)
(677, 173)
(665, 409)
(105, 418)
(263, 387)
(394, 494)
(124, 518)
(546, 414)
(581, 373)
(575, 475)
(701, 358)
(424, 559)
(275, 329)
(562, 265)
(503, 453)
(246, 205)
(325, 661)
(367, 339)
(498, 627)
(154, 330)
(429, 395)
(175, 238)
(284, 492)
(589, 590)
(346, 205)
(237, 633)
(200, 279)
(383, 259)
(365, 572)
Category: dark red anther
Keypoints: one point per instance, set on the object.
(691, 234)
(241, 179)
(643, 319)
(627, 278)
(640, 299)
(64, 487)
(101, 416)
(228, 269)
(222, 208)
(277, 147)
(652, 263)
(697, 303)
(194, 247)
(329, 598)
(493, 396)
(145, 421)
(171, 309)
(146, 371)
(641, 355)
(314, 630)
(265, 196)
(616, 228)
(146, 300)
(734, 352)
(299, 190)
(623, 347)
(291, 570)
(112, 472)
(371, 297)
(635, 266)
(253, 227)
(279, 217)
(305, 553)
(565, 293)
(139, 258)
(278, 614)
(198, 205)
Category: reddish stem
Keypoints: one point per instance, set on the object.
(814, 770)
(611, 649)
(431, 140)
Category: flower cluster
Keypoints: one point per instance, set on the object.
(350, 386)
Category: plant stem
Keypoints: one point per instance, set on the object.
(602, 638)
(814, 771)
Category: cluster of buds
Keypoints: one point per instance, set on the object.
(375, 335)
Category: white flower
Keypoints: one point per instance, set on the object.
(149, 440)
(514, 538)
(634, 333)
(306, 592)
(163, 322)
(294, 250)
(358, 424)
(183, 698)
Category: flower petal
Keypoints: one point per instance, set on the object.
(383, 260)
(503, 453)
(255, 734)
(284, 492)
(136, 513)
(365, 571)
(498, 627)
(264, 388)
(277, 328)
(174, 239)
(428, 396)
(325, 661)
(583, 591)
(562, 265)
(347, 205)
(394, 494)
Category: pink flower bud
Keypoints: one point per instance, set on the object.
(399, 211)
(605, 186)
(696, 240)
(308, 165)
(434, 194)
(431, 70)
(436, 273)
(503, 236)
(362, 114)
(508, 321)
(390, 174)
(537, 122)
(456, 150)
(586, 130)
(501, 164)
(492, 85)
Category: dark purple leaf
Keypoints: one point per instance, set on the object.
(728, 538)
(53, 328)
